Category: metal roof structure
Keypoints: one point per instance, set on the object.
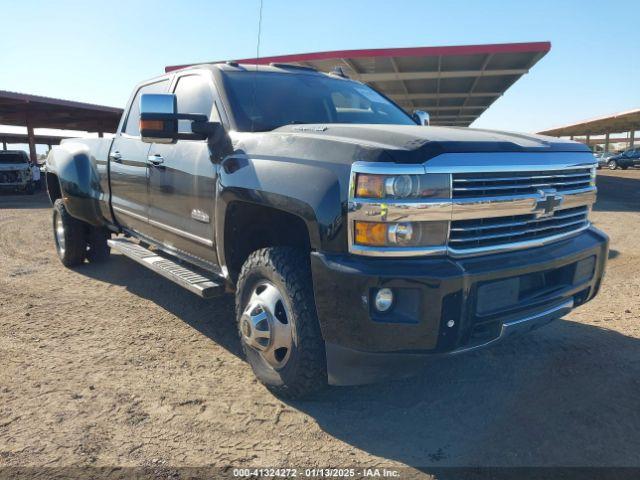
(8, 138)
(34, 111)
(455, 84)
(618, 122)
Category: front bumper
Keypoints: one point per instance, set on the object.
(14, 178)
(445, 306)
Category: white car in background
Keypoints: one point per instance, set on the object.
(15, 171)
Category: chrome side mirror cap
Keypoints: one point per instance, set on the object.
(421, 117)
(158, 122)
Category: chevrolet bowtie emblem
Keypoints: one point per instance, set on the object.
(549, 200)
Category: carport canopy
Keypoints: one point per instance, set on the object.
(622, 122)
(7, 137)
(32, 111)
(454, 84)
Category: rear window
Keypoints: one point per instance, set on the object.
(12, 158)
(132, 126)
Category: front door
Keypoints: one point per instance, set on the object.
(182, 178)
(128, 165)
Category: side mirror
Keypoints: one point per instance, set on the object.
(159, 120)
(421, 117)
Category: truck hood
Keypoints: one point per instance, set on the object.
(416, 144)
(13, 166)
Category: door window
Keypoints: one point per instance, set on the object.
(132, 126)
(194, 95)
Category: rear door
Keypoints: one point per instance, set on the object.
(128, 165)
(182, 184)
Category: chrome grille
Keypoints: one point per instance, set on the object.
(485, 184)
(493, 232)
(497, 202)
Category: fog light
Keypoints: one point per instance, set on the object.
(383, 299)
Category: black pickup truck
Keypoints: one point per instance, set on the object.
(357, 241)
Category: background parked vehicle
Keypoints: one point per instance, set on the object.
(15, 171)
(624, 160)
(603, 158)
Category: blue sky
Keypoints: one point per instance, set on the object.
(96, 51)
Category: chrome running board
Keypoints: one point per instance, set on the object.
(184, 276)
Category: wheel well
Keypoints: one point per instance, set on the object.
(53, 187)
(249, 227)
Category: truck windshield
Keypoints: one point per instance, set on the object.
(263, 101)
(12, 158)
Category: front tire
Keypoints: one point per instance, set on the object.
(70, 236)
(612, 164)
(278, 324)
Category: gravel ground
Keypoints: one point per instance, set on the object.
(114, 366)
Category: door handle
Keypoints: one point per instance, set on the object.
(116, 156)
(155, 160)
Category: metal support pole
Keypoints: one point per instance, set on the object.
(4, 144)
(100, 134)
(571, 137)
(32, 143)
(588, 140)
(606, 142)
(632, 138)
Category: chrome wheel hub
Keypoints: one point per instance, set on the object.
(58, 230)
(265, 325)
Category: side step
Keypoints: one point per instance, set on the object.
(183, 276)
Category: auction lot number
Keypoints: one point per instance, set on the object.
(313, 472)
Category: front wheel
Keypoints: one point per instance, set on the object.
(70, 236)
(612, 164)
(278, 324)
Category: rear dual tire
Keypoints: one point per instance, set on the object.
(98, 250)
(75, 240)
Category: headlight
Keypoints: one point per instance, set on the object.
(401, 186)
(397, 210)
(400, 234)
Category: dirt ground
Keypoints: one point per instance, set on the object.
(112, 365)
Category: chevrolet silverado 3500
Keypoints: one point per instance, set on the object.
(358, 243)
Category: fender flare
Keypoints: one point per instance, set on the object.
(79, 181)
(311, 192)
